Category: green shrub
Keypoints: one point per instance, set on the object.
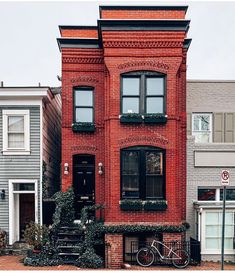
(36, 235)
(64, 212)
(89, 259)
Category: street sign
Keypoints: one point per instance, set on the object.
(225, 178)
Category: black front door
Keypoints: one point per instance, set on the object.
(83, 182)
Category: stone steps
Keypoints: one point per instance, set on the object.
(67, 244)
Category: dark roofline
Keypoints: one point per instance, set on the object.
(185, 8)
(163, 25)
(61, 27)
(77, 43)
(187, 43)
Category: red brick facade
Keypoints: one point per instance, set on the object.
(160, 50)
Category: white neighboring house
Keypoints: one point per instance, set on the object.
(30, 137)
(210, 149)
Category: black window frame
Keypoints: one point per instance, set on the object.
(82, 88)
(143, 76)
(142, 171)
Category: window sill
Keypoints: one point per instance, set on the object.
(155, 119)
(140, 205)
(83, 127)
(15, 152)
(131, 118)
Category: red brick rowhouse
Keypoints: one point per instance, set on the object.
(124, 118)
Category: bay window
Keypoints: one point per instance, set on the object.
(213, 231)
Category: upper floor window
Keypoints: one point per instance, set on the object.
(215, 194)
(16, 135)
(202, 127)
(143, 93)
(84, 105)
(142, 173)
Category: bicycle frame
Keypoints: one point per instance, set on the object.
(168, 257)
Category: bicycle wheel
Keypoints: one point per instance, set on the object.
(145, 256)
(180, 258)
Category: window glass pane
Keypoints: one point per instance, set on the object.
(15, 140)
(23, 186)
(201, 122)
(212, 231)
(16, 124)
(202, 137)
(229, 218)
(130, 186)
(153, 163)
(196, 121)
(206, 194)
(84, 98)
(212, 243)
(205, 123)
(155, 86)
(131, 86)
(229, 231)
(212, 218)
(230, 194)
(130, 162)
(154, 186)
(154, 105)
(130, 105)
(228, 243)
(84, 115)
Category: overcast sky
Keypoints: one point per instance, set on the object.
(29, 52)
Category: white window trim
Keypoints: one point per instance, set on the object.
(16, 151)
(203, 236)
(210, 131)
(13, 215)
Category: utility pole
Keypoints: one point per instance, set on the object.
(223, 228)
(224, 183)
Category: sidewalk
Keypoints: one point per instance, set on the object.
(14, 263)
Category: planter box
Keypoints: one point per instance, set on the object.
(155, 205)
(83, 127)
(131, 205)
(131, 119)
(155, 119)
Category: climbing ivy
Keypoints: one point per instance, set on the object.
(64, 212)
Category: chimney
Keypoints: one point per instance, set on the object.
(2, 84)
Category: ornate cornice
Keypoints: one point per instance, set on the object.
(82, 60)
(84, 79)
(84, 148)
(142, 44)
(144, 139)
(157, 64)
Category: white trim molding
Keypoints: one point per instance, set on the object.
(16, 151)
(14, 206)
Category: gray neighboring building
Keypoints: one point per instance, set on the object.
(30, 143)
(210, 149)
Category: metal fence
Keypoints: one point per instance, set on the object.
(192, 247)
